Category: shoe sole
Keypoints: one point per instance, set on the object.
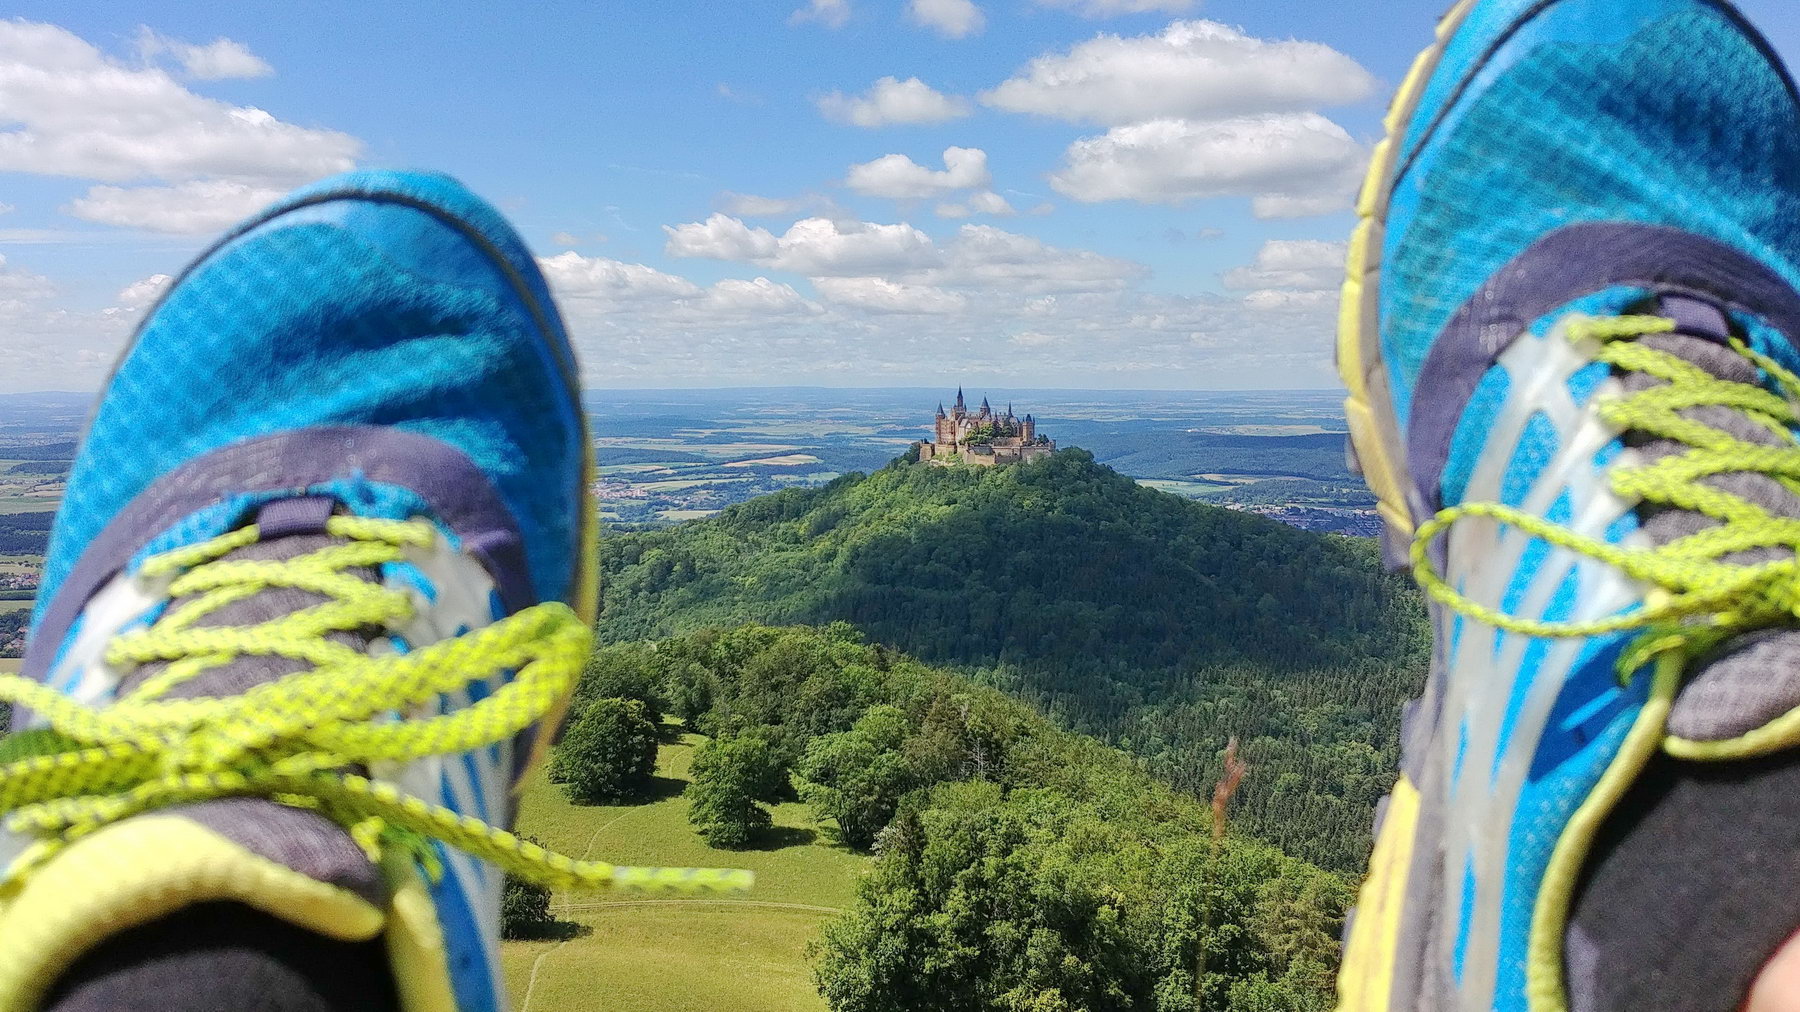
(1377, 451)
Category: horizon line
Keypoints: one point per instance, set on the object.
(814, 386)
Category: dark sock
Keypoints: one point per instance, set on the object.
(1691, 888)
(225, 957)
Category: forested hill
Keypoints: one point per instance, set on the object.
(1163, 624)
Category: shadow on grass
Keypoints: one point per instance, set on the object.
(662, 789)
(655, 789)
(781, 838)
(556, 931)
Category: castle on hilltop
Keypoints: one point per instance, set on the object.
(984, 438)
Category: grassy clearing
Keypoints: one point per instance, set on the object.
(633, 952)
(1190, 489)
(786, 460)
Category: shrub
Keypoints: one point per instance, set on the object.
(608, 752)
(730, 777)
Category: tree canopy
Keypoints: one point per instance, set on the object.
(1160, 624)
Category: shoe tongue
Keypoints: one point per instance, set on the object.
(1754, 678)
(290, 528)
(302, 840)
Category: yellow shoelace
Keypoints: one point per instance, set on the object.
(1701, 599)
(300, 739)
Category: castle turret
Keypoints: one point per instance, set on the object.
(959, 402)
(940, 409)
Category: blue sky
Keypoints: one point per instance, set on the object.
(625, 140)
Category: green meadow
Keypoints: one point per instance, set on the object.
(637, 953)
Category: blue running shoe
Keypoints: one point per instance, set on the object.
(324, 565)
(1569, 336)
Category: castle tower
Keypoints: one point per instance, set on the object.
(1030, 428)
(986, 412)
(960, 410)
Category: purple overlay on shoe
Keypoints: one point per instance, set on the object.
(1565, 265)
(288, 466)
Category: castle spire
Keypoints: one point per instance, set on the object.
(959, 399)
(940, 409)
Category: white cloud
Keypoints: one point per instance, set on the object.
(994, 260)
(985, 202)
(901, 178)
(191, 208)
(891, 100)
(1292, 163)
(575, 277)
(215, 61)
(1111, 8)
(815, 247)
(749, 205)
(879, 295)
(721, 237)
(140, 294)
(953, 19)
(830, 13)
(566, 239)
(1272, 301)
(6, 208)
(1311, 265)
(1193, 69)
(760, 297)
(18, 287)
(978, 256)
(730, 94)
(67, 109)
(50, 347)
(989, 202)
(987, 293)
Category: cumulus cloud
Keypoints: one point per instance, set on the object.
(51, 347)
(191, 208)
(977, 257)
(214, 61)
(882, 296)
(575, 277)
(901, 178)
(1111, 8)
(758, 297)
(749, 205)
(1311, 265)
(953, 19)
(817, 247)
(1273, 301)
(987, 293)
(67, 109)
(890, 101)
(1292, 164)
(1193, 69)
(140, 294)
(985, 202)
(879, 295)
(830, 13)
(995, 260)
